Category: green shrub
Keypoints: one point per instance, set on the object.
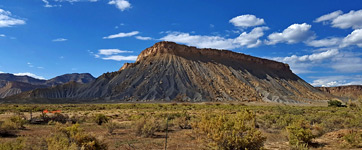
(230, 132)
(73, 138)
(299, 133)
(353, 139)
(100, 119)
(58, 117)
(146, 126)
(335, 103)
(18, 144)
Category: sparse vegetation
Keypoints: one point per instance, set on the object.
(299, 134)
(146, 126)
(230, 132)
(335, 103)
(190, 126)
(353, 139)
(100, 119)
(73, 137)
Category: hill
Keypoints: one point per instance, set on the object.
(169, 71)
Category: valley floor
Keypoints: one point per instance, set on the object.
(145, 125)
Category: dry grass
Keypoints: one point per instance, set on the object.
(271, 120)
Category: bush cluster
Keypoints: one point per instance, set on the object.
(299, 133)
(73, 137)
(230, 132)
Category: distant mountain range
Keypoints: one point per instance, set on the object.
(11, 84)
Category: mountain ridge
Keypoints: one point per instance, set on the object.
(11, 84)
(168, 71)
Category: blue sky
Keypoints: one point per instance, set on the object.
(321, 40)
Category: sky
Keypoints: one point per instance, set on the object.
(320, 40)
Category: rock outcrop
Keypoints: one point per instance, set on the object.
(352, 92)
(169, 71)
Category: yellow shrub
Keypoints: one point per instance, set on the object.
(230, 132)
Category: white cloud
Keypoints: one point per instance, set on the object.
(353, 19)
(303, 64)
(245, 39)
(251, 39)
(8, 20)
(293, 34)
(30, 75)
(47, 4)
(327, 42)
(120, 35)
(328, 81)
(200, 41)
(120, 58)
(329, 16)
(111, 51)
(355, 38)
(111, 54)
(2, 35)
(143, 38)
(347, 62)
(60, 40)
(247, 20)
(120, 4)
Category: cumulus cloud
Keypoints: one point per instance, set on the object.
(329, 81)
(247, 20)
(30, 75)
(120, 58)
(353, 19)
(200, 41)
(8, 20)
(120, 4)
(121, 35)
(355, 38)
(143, 38)
(251, 39)
(337, 19)
(327, 42)
(293, 34)
(60, 40)
(112, 54)
(303, 64)
(329, 16)
(245, 39)
(2, 35)
(112, 51)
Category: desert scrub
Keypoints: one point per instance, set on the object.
(111, 126)
(100, 119)
(146, 126)
(73, 138)
(230, 132)
(58, 117)
(184, 121)
(335, 103)
(299, 134)
(353, 139)
(18, 144)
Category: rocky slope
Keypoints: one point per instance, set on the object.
(168, 71)
(11, 84)
(352, 92)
